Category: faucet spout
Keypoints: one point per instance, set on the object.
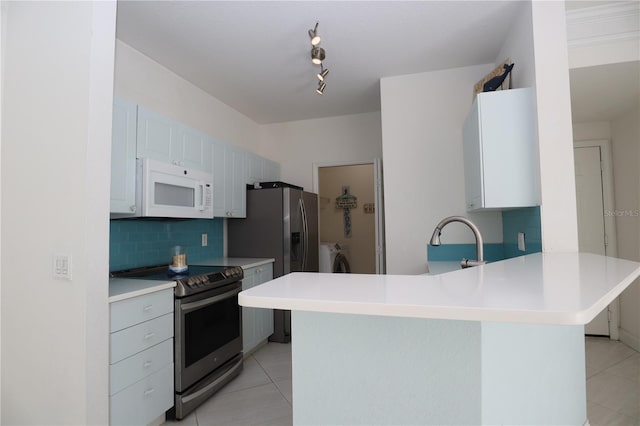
(435, 238)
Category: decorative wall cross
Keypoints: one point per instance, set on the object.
(346, 202)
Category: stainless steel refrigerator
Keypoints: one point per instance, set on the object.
(282, 223)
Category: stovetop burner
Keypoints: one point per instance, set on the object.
(196, 279)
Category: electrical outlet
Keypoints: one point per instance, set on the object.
(62, 266)
(521, 244)
(204, 240)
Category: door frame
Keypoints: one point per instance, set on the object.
(379, 210)
(611, 243)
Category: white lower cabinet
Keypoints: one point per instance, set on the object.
(141, 357)
(257, 324)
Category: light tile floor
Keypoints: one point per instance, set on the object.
(613, 383)
(261, 394)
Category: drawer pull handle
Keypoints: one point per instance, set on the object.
(147, 308)
(149, 392)
(147, 364)
(149, 336)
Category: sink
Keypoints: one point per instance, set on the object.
(442, 267)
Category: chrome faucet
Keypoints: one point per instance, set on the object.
(466, 263)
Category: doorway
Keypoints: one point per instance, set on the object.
(350, 212)
(596, 221)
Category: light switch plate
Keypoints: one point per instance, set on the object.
(521, 243)
(204, 240)
(62, 266)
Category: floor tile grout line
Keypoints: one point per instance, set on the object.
(273, 382)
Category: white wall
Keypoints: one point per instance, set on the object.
(298, 145)
(140, 79)
(518, 47)
(422, 119)
(625, 136)
(591, 130)
(555, 138)
(3, 38)
(56, 139)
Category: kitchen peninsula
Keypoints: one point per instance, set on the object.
(501, 343)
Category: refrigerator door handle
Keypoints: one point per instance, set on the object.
(305, 234)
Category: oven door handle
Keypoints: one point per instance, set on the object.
(188, 307)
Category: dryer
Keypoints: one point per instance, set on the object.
(333, 258)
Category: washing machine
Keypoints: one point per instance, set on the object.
(333, 258)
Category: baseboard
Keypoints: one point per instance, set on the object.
(629, 339)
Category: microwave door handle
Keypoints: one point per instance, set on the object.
(201, 205)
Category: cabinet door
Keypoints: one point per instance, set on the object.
(500, 151)
(158, 137)
(236, 190)
(509, 152)
(248, 314)
(194, 149)
(219, 167)
(264, 317)
(472, 160)
(123, 157)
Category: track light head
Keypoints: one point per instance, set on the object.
(320, 89)
(313, 35)
(317, 55)
(323, 73)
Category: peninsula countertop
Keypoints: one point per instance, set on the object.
(541, 288)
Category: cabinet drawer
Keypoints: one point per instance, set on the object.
(128, 312)
(132, 340)
(140, 365)
(143, 401)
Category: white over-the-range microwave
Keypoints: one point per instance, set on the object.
(168, 190)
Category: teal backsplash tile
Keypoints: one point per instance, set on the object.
(445, 252)
(525, 220)
(135, 243)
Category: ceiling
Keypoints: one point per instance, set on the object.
(255, 55)
(604, 92)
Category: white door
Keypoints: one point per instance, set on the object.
(590, 206)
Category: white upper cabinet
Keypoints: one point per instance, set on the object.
(194, 149)
(123, 157)
(259, 169)
(142, 133)
(500, 151)
(157, 137)
(229, 189)
(163, 139)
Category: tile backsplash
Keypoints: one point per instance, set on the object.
(525, 220)
(135, 243)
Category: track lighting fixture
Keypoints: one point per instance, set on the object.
(323, 73)
(317, 55)
(313, 35)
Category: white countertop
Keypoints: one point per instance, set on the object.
(542, 288)
(243, 262)
(126, 288)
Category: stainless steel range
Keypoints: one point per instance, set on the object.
(208, 330)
